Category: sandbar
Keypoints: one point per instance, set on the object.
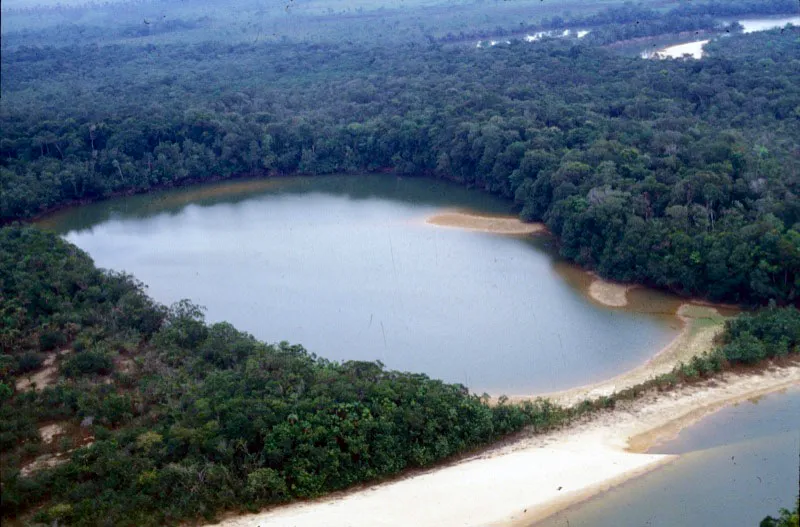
(490, 224)
(609, 294)
(534, 476)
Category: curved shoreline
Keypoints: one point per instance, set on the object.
(693, 339)
(535, 476)
(514, 484)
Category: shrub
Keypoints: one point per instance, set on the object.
(28, 362)
(266, 484)
(51, 339)
(88, 362)
(745, 349)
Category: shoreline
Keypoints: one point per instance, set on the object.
(535, 476)
(692, 339)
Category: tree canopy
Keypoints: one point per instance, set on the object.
(680, 174)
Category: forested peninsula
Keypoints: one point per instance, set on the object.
(181, 420)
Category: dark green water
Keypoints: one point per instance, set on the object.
(348, 267)
(736, 467)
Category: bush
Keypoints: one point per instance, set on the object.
(745, 349)
(28, 362)
(51, 339)
(266, 484)
(88, 362)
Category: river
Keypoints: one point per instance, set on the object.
(347, 266)
(695, 48)
(735, 467)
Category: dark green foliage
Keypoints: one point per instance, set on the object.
(768, 333)
(679, 174)
(50, 340)
(257, 423)
(87, 362)
(27, 362)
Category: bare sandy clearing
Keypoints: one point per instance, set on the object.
(45, 376)
(41, 462)
(48, 432)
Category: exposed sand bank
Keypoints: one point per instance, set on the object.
(492, 224)
(43, 377)
(535, 476)
(609, 293)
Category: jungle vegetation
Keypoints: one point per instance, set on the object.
(165, 418)
(679, 174)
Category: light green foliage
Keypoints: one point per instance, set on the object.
(787, 518)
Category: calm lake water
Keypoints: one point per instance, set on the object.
(347, 266)
(736, 467)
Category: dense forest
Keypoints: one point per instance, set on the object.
(163, 417)
(680, 174)
(186, 418)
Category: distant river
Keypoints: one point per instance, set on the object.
(736, 467)
(347, 266)
(695, 48)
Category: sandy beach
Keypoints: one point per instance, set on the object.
(491, 224)
(537, 475)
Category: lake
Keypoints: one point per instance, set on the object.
(348, 266)
(736, 467)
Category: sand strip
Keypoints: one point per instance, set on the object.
(535, 476)
(491, 224)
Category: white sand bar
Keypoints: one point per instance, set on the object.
(478, 492)
(536, 475)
